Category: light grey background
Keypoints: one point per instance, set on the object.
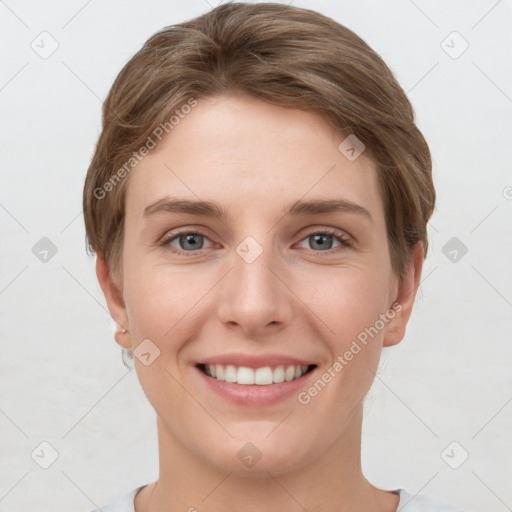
(62, 379)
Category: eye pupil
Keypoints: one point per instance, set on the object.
(320, 240)
(191, 239)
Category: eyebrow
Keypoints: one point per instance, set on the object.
(298, 208)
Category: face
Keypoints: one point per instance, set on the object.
(255, 250)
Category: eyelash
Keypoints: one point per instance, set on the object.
(342, 238)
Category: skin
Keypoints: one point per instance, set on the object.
(255, 159)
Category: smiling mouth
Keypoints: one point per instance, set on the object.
(263, 376)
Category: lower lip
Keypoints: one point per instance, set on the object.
(254, 394)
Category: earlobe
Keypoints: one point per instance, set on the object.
(406, 294)
(114, 298)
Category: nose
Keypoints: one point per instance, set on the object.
(255, 298)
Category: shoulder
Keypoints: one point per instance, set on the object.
(123, 503)
(408, 503)
(420, 503)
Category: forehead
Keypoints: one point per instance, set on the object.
(245, 152)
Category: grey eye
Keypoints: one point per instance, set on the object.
(321, 241)
(191, 241)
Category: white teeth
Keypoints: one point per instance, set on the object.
(278, 375)
(265, 375)
(230, 373)
(245, 375)
(290, 373)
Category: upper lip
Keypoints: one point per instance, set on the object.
(255, 361)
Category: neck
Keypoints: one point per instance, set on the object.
(331, 481)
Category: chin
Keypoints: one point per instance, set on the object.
(258, 457)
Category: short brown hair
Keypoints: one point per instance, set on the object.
(288, 56)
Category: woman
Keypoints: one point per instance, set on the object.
(258, 202)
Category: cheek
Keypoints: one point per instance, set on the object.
(162, 306)
(348, 300)
(168, 304)
(350, 306)
(162, 300)
(157, 300)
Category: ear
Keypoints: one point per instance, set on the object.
(114, 297)
(406, 293)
